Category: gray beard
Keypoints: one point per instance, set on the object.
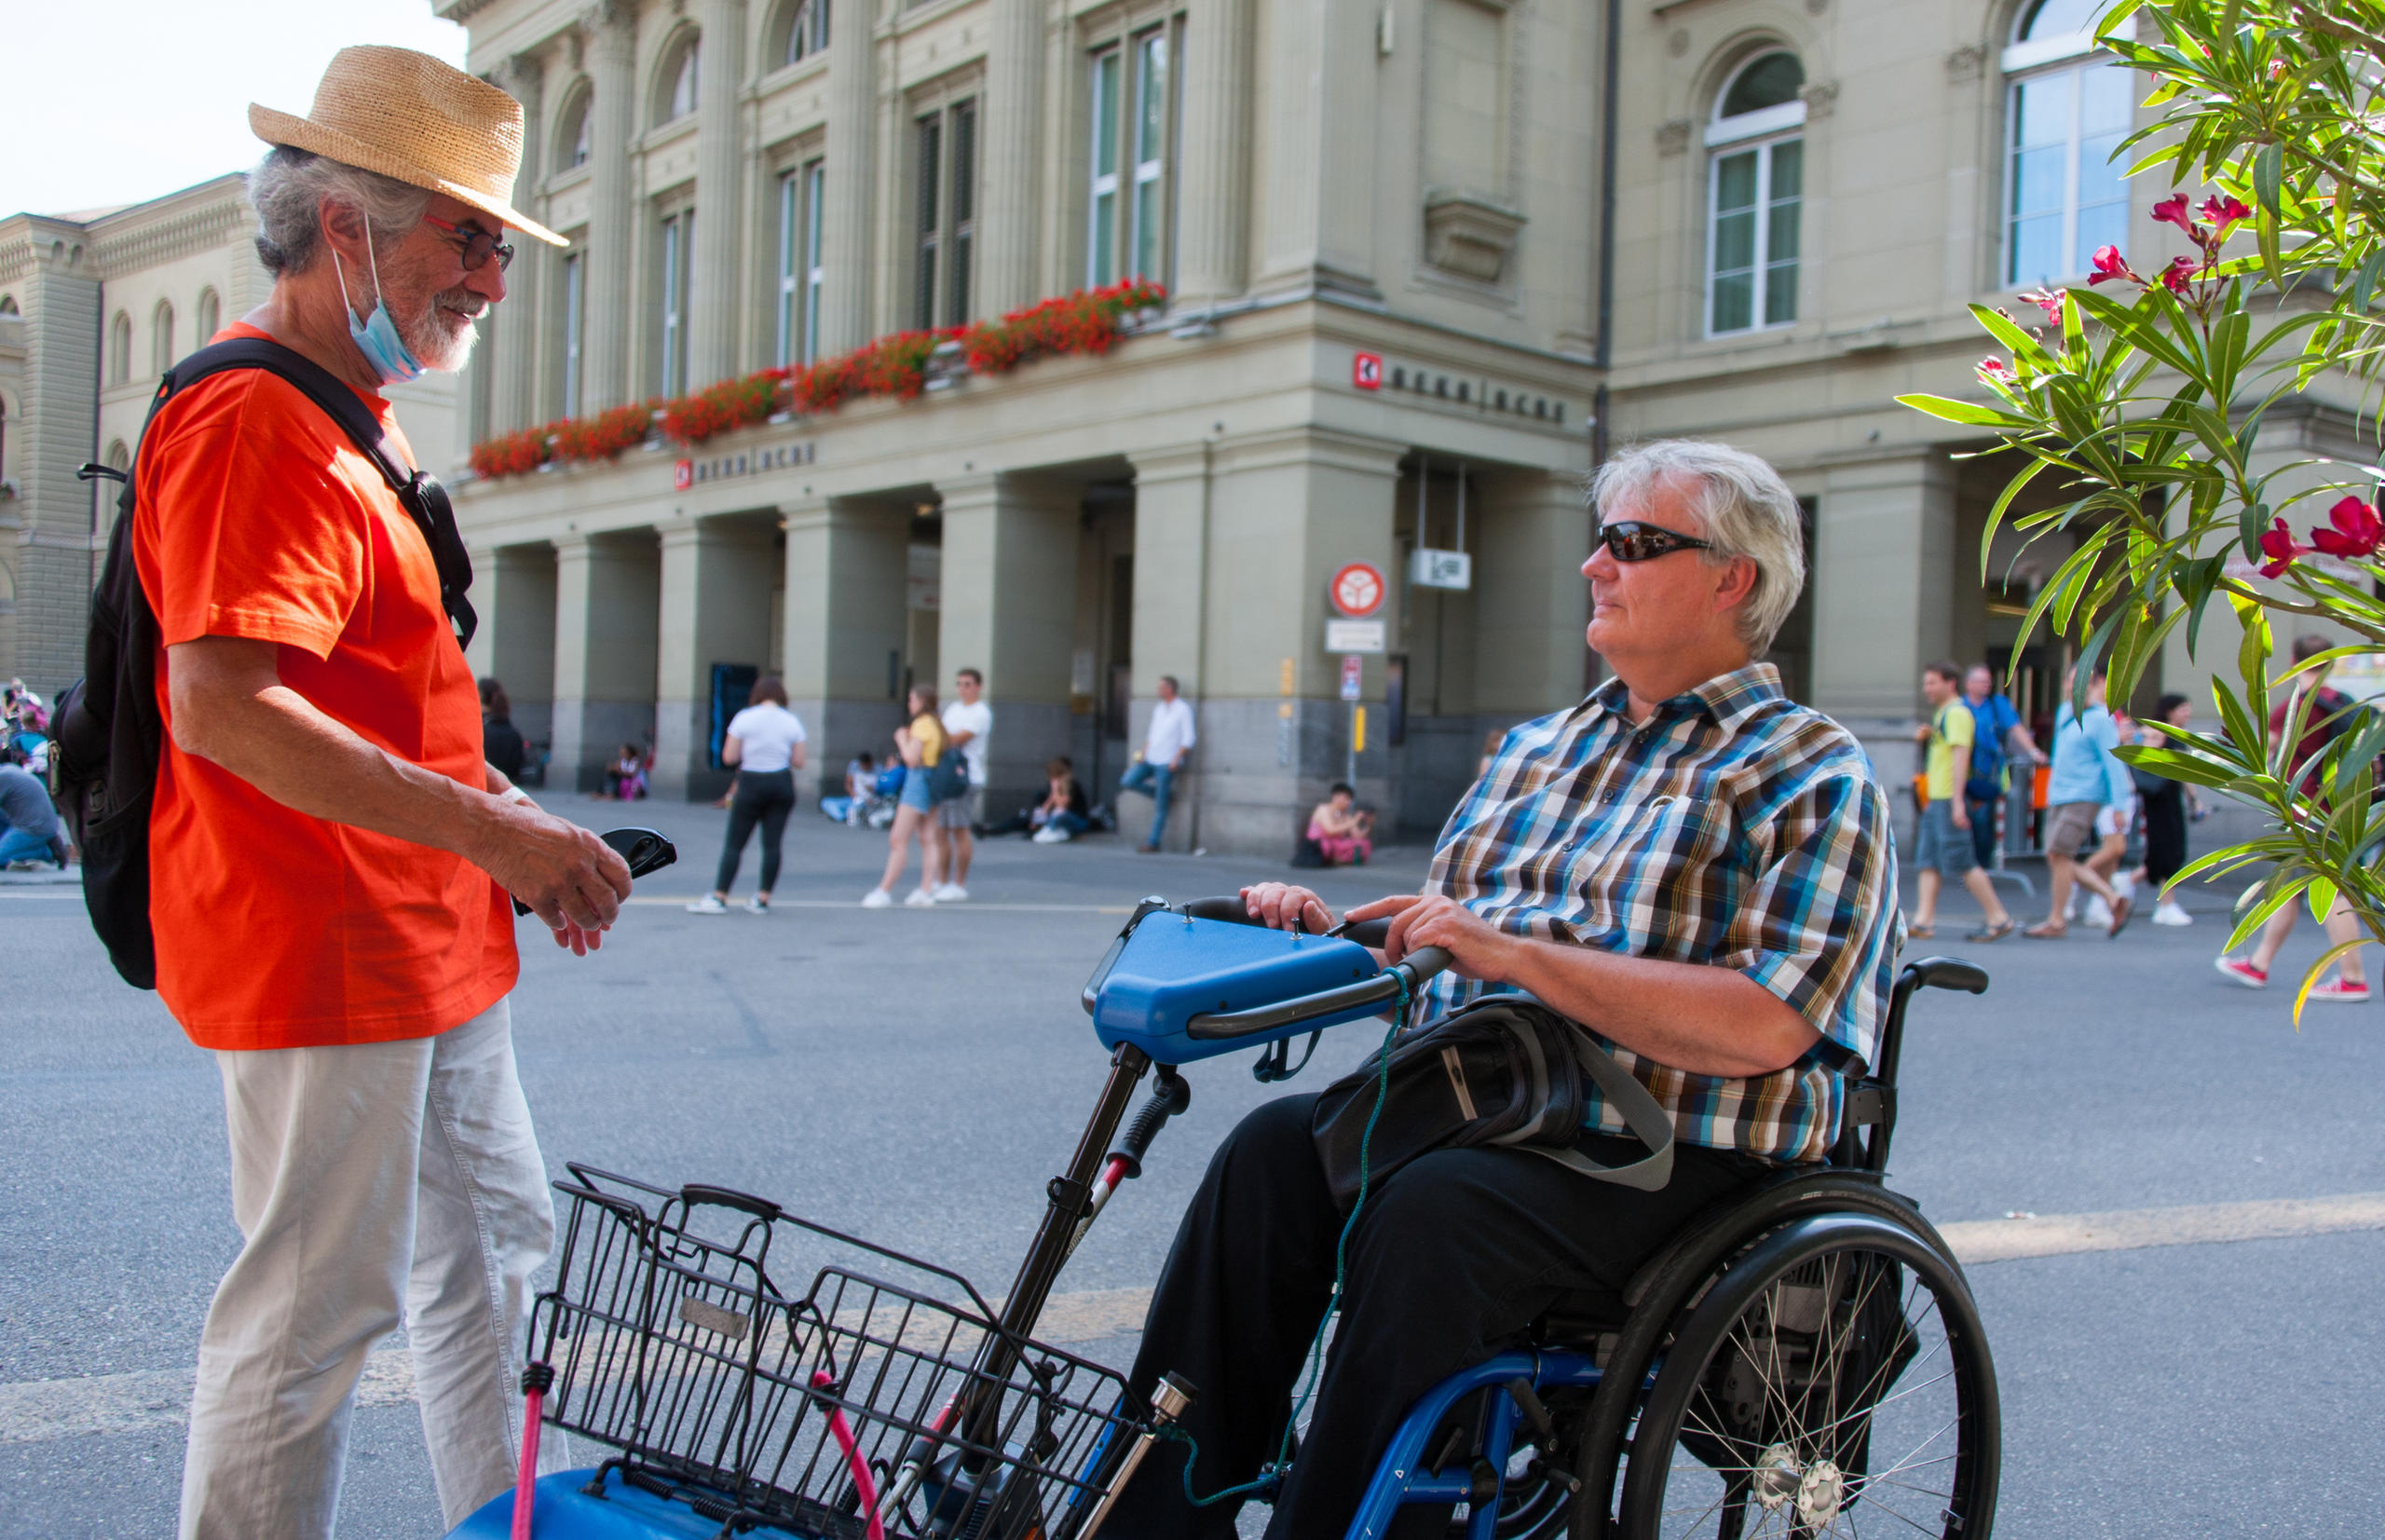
(429, 339)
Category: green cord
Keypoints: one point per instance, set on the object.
(1271, 1476)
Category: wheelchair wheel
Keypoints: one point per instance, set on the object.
(1834, 1382)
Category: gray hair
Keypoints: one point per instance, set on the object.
(288, 190)
(1743, 508)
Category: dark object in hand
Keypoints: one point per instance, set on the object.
(643, 848)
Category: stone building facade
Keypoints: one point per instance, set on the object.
(1427, 260)
(93, 308)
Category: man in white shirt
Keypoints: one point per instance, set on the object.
(1165, 743)
(967, 721)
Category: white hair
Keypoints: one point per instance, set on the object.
(1743, 508)
(288, 190)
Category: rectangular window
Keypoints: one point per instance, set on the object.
(2065, 196)
(1752, 236)
(947, 223)
(798, 271)
(1135, 112)
(815, 275)
(574, 302)
(678, 254)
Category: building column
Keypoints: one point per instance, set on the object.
(606, 623)
(1234, 544)
(1318, 177)
(1532, 604)
(848, 585)
(851, 175)
(1008, 610)
(1215, 203)
(57, 559)
(513, 588)
(514, 357)
(715, 608)
(715, 316)
(1883, 567)
(1009, 202)
(606, 313)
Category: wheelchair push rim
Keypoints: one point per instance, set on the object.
(1834, 1382)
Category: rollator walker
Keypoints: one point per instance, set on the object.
(1803, 1359)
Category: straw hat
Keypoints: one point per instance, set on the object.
(419, 119)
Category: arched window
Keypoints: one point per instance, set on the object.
(679, 69)
(1755, 195)
(7, 305)
(2068, 108)
(119, 456)
(161, 338)
(120, 348)
(806, 32)
(571, 141)
(211, 318)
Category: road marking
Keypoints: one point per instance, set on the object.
(663, 902)
(40, 1410)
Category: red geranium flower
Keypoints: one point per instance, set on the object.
(2278, 545)
(2108, 263)
(2358, 531)
(2173, 211)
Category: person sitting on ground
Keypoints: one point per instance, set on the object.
(32, 834)
(1945, 844)
(625, 777)
(1697, 871)
(863, 797)
(2330, 714)
(1342, 831)
(1063, 814)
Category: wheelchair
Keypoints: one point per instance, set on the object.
(1805, 1359)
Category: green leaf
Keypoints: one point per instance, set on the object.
(1971, 412)
(2251, 525)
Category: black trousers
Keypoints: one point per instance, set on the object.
(764, 798)
(2165, 833)
(1452, 1258)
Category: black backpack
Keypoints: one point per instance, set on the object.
(107, 733)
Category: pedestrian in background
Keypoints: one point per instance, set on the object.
(500, 741)
(2331, 713)
(968, 723)
(2086, 780)
(2001, 740)
(333, 855)
(1064, 813)
(1342, 831)
(921, 744)
(1944, 847)
(2167, 804)
(765, 743)
(1165, 743)
(32, 834)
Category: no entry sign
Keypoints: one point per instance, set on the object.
(1358, 590)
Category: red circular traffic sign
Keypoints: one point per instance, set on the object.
(1358, 590)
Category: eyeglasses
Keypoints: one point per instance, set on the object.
(479, 245)
(1629, 540)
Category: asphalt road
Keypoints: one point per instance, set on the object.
(916, 1076)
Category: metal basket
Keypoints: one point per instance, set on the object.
(869, 1395)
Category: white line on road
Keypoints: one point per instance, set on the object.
(40, 1410)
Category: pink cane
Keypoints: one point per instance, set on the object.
(535, 1381)
(823, 1380)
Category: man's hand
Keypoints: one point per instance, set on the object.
(1476, 950)
(1281, 905)
(1921, 733)
(568, 876)
(1962, 814)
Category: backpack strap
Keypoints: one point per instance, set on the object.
(424, 498)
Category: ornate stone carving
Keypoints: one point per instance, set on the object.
(1672, 137)
(1468, 235)
(1820, 96)
(1968, 62)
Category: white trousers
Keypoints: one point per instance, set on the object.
(373, 1182)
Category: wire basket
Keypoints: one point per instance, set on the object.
(866, 1405)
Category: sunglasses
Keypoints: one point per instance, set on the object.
(479, 245)
(1629, 540)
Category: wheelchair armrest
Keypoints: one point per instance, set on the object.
(1947, 972)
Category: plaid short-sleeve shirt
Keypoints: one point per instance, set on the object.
(1733, 829)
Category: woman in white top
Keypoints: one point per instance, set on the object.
(765, 741)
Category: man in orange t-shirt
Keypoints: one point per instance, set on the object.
(331, 855)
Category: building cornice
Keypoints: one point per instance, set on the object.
(150, 242)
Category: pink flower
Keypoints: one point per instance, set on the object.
(2175, 275)
(2358, 531)
(2173, 211)
(2278, 545)
(2109, 265)
(1994, 368)
(2050, 301)
(2223, 211)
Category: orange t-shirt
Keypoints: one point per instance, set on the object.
(258, 518)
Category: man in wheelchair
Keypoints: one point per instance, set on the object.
(1691, 868)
